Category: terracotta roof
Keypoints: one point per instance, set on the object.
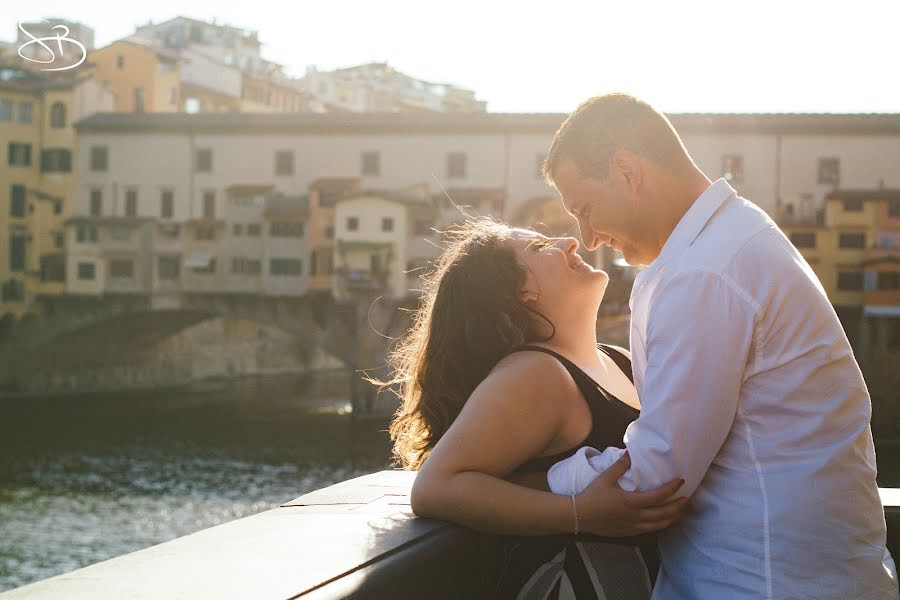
(474, 123)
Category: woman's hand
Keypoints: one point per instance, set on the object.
(606, 509)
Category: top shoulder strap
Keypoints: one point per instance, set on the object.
(621, 360)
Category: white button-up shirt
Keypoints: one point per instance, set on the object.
(751, 393)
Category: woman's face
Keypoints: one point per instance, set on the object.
(556, 273)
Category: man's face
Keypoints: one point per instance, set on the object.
(604, 210)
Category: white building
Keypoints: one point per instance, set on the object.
(378, 87)
(176, 165)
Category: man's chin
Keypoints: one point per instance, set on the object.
(632, 258)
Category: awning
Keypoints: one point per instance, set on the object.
(199, 260)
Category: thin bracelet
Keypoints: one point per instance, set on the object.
(575, 512)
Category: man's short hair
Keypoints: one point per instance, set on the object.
(601, 125)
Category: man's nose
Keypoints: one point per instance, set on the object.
(589, 237)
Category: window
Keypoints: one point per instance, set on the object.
(120, 61)
(456, 164)
(13, 290)
(284, 162)
(57, 207)
(19, 155)
(889, 280)
(894, 207)
(209, 269)
(375, 264)
(131, 203)
(254, 229)
(169, 231)
(850, 280)
(286, 266)
(85, 233)
(6, 110)
(830, 170)
(59, 240)
(99, 158)
(58, 115)
(205, 233)
(86, 271)
(733, 168)
(17, 200)
(53, 268)
(387, 224)
(539, 166)
(25, 112)
(209, 205)
(852, 204)
(852, 240)
(168, 267)
(17, 243)
(247, 266)
(371, 163)
(352, 223)
(167, 204)
(138, 99)
(804, 239)
(96, 202)
(121, 268)
(56, 160)
(237, 230)
(204, 160)
(286, 229)
(321, 262)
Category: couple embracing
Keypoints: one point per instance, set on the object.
(727, 455)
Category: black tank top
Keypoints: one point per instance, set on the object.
(594, 567)
(610, 416)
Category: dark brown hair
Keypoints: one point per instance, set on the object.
(601, 125)
(470, 316)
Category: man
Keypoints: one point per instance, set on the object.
(749, 388)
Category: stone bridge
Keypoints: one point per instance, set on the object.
(121, 341)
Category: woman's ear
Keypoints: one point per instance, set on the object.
(528, 296)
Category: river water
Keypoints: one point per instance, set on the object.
(86, 478)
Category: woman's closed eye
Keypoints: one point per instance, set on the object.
(540, 244)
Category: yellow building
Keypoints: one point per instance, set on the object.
(855, 233)
(37, 111)
(143, 77)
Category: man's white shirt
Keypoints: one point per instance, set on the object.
(751, 393)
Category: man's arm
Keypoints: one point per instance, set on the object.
(699, 335)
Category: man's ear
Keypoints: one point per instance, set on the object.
(630, 167)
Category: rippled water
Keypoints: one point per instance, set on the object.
(84, 479)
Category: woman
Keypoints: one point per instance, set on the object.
(501, 377)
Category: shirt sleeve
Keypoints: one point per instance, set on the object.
(699, 334)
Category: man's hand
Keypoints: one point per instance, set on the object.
(606, 509)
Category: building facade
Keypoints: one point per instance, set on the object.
(191, 176)
(37, 176)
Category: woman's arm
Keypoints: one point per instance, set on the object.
(511, 417)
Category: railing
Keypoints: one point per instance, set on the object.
(357, 538)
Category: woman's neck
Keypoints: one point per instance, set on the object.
(577, 339)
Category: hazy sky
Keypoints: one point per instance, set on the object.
(683, 56)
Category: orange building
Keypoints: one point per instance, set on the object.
(144, 78)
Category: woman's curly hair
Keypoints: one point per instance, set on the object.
(470, 316)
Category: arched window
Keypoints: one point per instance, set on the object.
(58, 115)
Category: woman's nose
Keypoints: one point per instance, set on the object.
(567, 244)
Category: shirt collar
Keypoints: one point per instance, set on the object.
(694, 220)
